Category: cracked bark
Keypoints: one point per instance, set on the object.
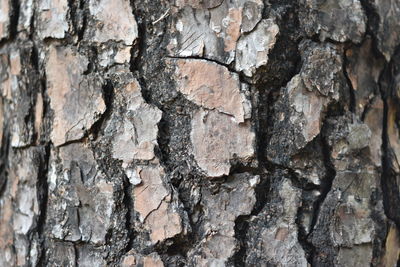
(211, 133)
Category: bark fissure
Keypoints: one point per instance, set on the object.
(5, 146)
(390, 188)
(228, 66)
(14, 17)
(242, 222)
(128, 203)
(325, 188)
(43, 192)
(108, 96)
(352, 104)
(268, 87)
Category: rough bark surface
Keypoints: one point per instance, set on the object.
(199, 133)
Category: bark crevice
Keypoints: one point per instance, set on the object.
(390, 188)
(42, 195)
(352, 102)
(325, 188)
(14, 18)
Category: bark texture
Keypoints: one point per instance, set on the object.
(199, 133)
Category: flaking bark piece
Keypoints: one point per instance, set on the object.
(339, 20)
(81, 200)
(52, 18)
(236, 198)
(388, 29)
(136, 134)
(252, 49)
(212, 86)
(153, 202)
(216, 32)
(113, 21)
(217, 138)
(301, 108)
(4, 18)
(76, 99)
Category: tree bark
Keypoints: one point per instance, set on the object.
(199, 133)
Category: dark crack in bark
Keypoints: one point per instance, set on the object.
(42, 195)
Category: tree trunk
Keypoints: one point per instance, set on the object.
(199, 133)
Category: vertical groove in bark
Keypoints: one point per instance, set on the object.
(42, 192)
(5, 143)
(128, 202)
(390, 187)
(352, 104)
(14, 16)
